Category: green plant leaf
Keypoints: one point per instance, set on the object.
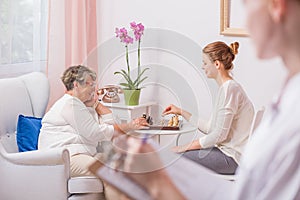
(129, 83)
(137, 80)
(140, 81)
(126, 85)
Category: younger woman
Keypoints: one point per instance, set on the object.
(228, 129)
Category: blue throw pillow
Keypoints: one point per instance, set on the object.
(28, 130)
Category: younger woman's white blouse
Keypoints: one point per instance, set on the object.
(230, 123)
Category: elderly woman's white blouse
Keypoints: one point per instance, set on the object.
(69, 123)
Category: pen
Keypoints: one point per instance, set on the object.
(144, 139)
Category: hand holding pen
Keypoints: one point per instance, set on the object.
(138, 123)
(145, 138)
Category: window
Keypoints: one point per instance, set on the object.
(23, 31)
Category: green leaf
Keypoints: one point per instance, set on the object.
(138, 78)
(127, 78)
(125, 85)
(139, 82)
(130, 83)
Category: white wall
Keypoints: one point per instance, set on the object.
(192, 21)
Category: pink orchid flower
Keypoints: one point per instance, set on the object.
(138, 30)
(123, 35)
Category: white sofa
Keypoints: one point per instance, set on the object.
(35, 175)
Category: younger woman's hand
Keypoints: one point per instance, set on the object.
(172, 109)
(179, 149)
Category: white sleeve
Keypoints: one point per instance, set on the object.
(220, 130)
(202, 124)
(93, 113)
(107, 119)
(81, 119)
(222, 118)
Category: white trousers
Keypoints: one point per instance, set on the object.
(79, 167)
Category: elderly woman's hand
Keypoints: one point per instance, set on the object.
(91, 102)
(102, 109)
(138, 123)
(135, 124)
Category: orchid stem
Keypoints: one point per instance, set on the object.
(127, 61)
(139, 58)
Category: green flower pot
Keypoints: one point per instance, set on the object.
(132, 97)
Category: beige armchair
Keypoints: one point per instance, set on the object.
(35, 175)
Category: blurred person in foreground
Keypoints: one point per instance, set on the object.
(270, 167)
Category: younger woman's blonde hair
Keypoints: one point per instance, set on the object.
(222, 52)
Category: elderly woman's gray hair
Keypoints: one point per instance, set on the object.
(77, 73)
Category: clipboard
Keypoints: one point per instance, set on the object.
(194, 183)
(117, 180)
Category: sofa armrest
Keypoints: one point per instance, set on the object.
(55, 156)
(41, 174)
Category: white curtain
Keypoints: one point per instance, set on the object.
(23, 36)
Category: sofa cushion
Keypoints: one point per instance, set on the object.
(85, 184)
(28, 130)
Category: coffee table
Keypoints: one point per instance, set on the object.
(185, 128)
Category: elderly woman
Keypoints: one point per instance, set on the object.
(73, 121)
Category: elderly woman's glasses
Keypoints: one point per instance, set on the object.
(91, 84)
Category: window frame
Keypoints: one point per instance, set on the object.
(39, 38)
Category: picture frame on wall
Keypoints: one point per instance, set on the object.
(230, 24)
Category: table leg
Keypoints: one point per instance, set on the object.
(177, 139)
(158, 139)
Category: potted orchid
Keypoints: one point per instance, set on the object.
(132, 85)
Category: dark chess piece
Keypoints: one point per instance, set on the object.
(149, 120)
